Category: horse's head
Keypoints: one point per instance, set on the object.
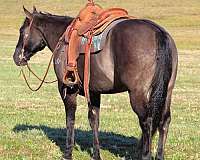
(30, 40)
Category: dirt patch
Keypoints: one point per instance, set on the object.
(1, 149)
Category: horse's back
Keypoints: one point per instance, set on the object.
(128, 60)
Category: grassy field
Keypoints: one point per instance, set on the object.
(32, 124)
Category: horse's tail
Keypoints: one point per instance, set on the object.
(161, 78)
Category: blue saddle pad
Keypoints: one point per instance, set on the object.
(98, 41)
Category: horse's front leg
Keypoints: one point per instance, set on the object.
(93, 116)
(70, 109)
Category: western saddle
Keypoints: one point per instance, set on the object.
(91, 20)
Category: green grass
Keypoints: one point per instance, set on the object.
(32, 124)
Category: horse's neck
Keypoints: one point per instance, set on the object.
(52, 31)
(52, 39)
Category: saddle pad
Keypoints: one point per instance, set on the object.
(98, 41)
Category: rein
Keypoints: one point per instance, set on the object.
(42, 80)
(30, 70)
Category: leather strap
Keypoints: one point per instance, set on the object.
(87, 67)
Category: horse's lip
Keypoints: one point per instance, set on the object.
(23, 62)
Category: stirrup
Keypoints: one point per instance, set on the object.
(71, 76)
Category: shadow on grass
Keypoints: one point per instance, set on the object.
(119, 145)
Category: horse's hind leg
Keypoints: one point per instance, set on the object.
(163, 127)
(93, 116)
(139, 106)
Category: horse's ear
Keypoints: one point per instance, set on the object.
(28, 14)
(34, 9)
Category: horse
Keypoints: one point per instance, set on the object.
(140, 57)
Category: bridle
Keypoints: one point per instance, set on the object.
(25, 42)
(27, 36)
(42, 80)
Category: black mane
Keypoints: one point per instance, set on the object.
(50, 17)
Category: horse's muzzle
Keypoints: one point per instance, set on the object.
(19, 58)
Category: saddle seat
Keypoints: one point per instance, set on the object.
(107, 17)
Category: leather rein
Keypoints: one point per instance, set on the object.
(42, 80)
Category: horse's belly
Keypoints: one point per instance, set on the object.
(104, 83)
(102, 72)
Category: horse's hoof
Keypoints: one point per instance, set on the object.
(159, 157)
(96, 158)
(64, 158)
(146, 157)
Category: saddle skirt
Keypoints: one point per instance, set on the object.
(99, 39)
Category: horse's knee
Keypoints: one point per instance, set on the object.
(165, 121)
(91, 113)
(93, 116)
